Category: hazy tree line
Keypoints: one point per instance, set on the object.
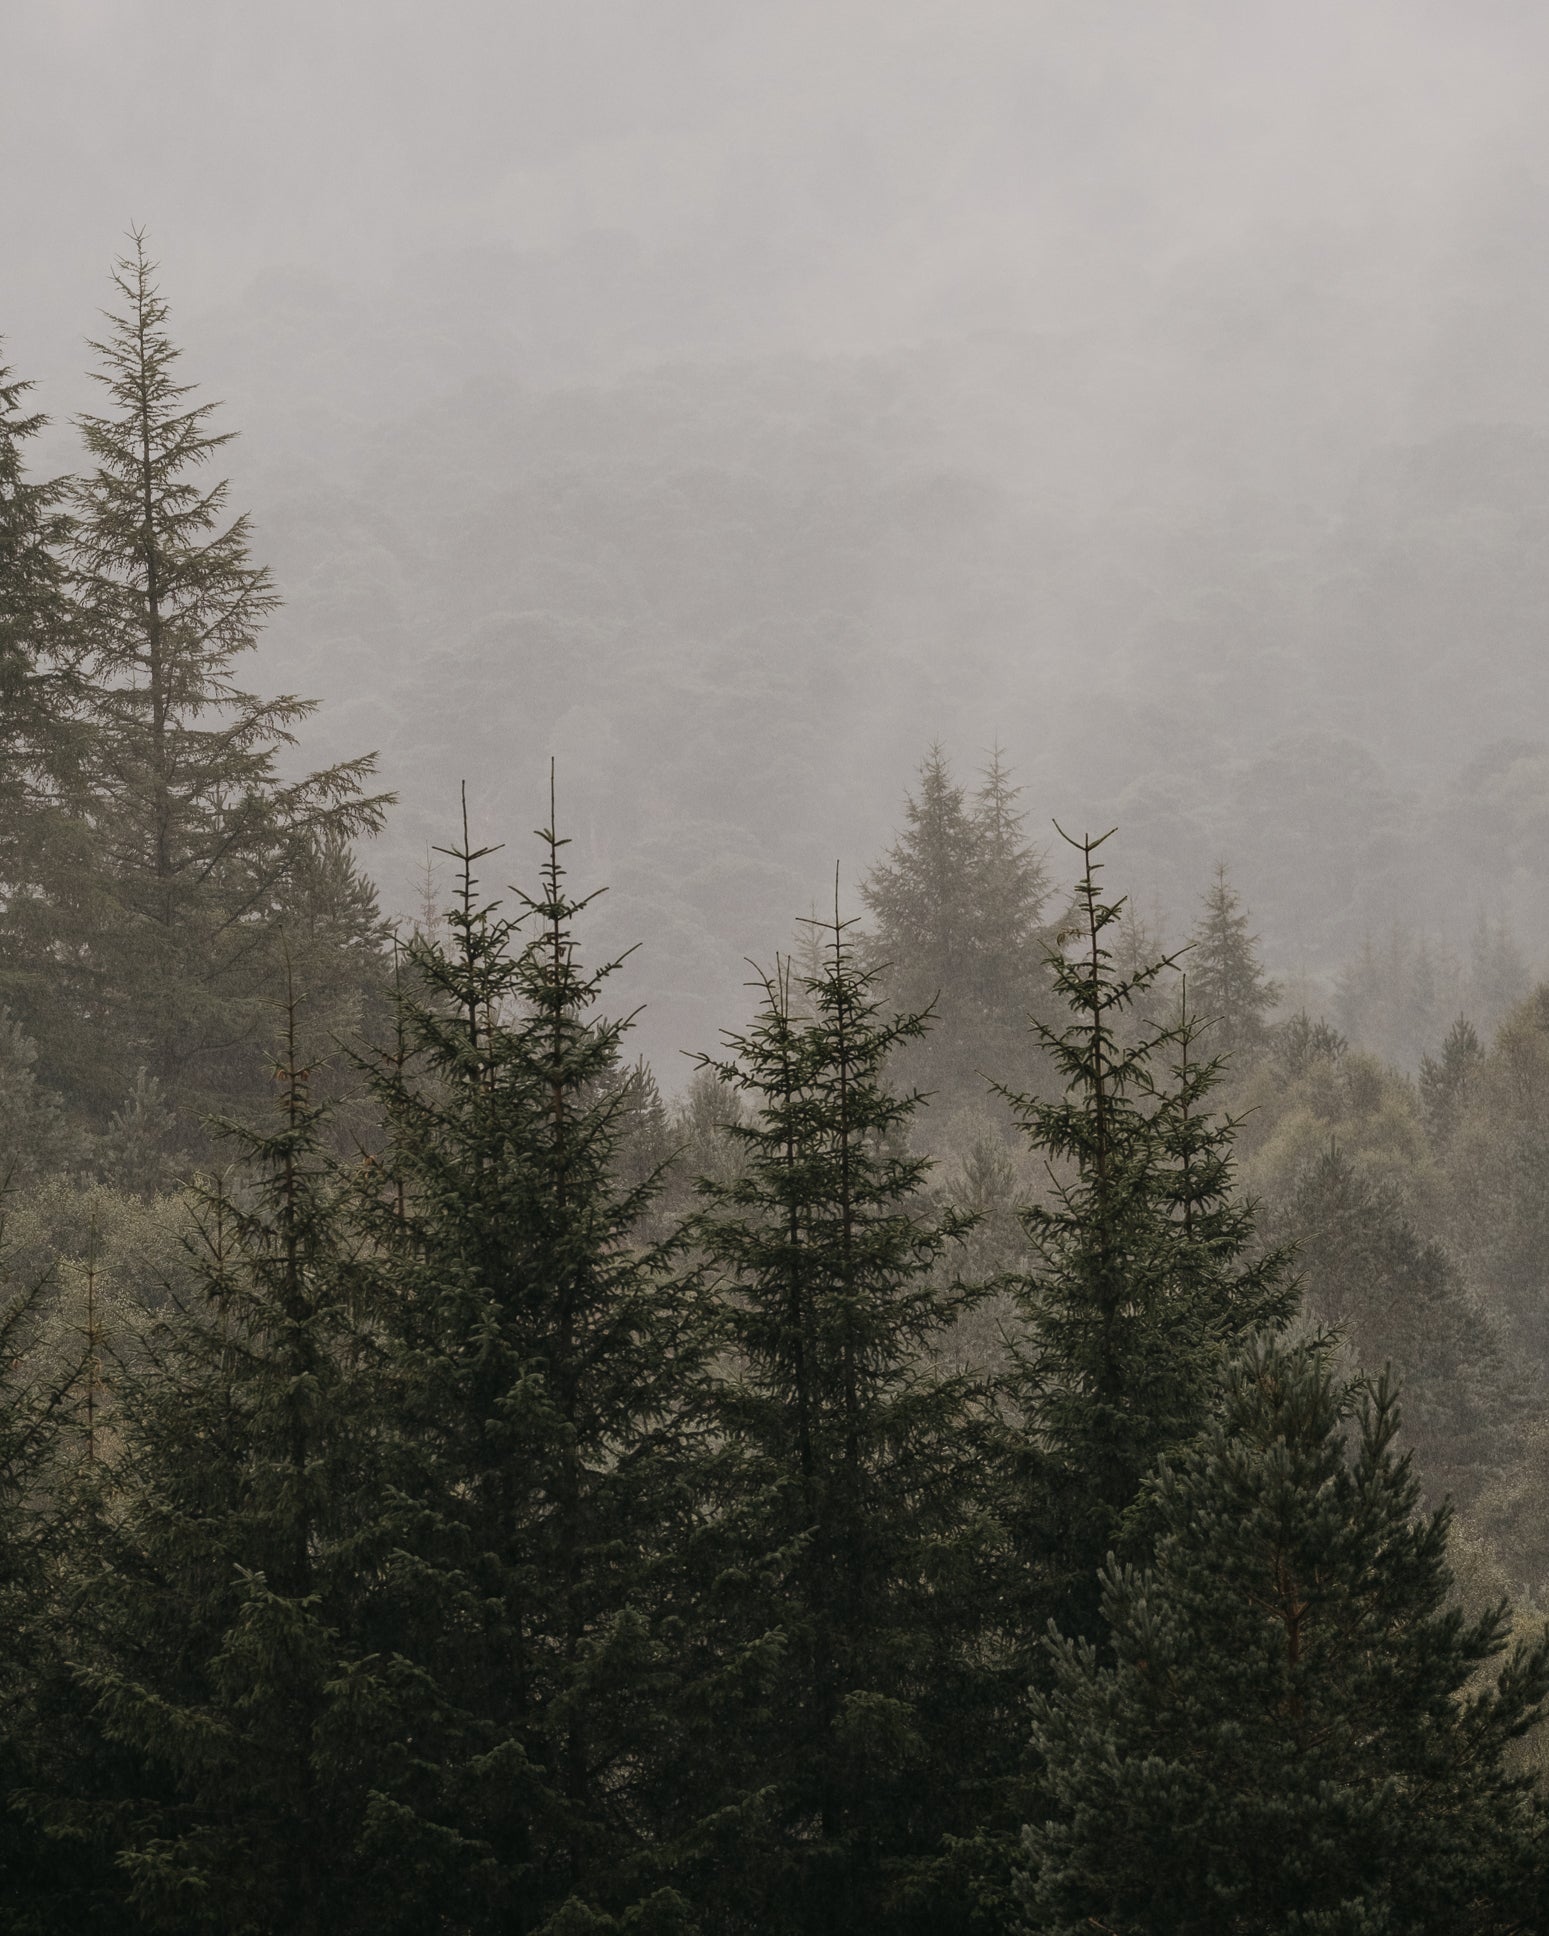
(937, 1473)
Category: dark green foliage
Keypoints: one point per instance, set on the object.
(234, 1615)
(857, 1505)
(1290, 1735)
(35, 1136)
(1447, 1081)
(920, 896)
(1144, 1267)
(190, 850)
(957, 909)
(1227, 985)
(1301, 1043)
(43, 1884)
(41, 743)
(1394, 1295)
(38, 642)
(550, 1383)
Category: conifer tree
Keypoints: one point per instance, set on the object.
(1231, 992)
(1394, 1295)
(957, 909)
(1011, 890)
(856, 1504)
(551, 1372)
(1290, 1735)
(1143, 1266)
(39, 692)
(1235, 1283)
(1447, 1080)
(920, 896)
(235, 1627)
(1301, 1044)
(44, 1884)
(166, 956)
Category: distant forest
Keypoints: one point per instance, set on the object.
(1043, 1430)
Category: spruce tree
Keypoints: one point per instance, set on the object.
(1290, 1734)
(41, 829)
(1011, 891)
(1447, 1080)
(166, 955)
(552, 1376)
(1144, 1265)
(920, 896)
(858, 1505)
(235, 1623)
(1230, 990)
(956, 907)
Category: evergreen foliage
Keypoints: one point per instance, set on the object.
(1230, 990)
(41, 742)
(957, 907)
(235, 1631)
(1388, 1291)
(551, 1385)
(40, 1374)
(1290, 1735)
(1446, 1081)
(38, 647)
(858, 1507)
(163, 954)
(493, 1529)
(1301, 1043)
(1144, 1267)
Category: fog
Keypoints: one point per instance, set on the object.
(729, 401)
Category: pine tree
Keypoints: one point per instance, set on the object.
(1144, 1266)
(552, 1378)
(166, 956)
(957, 908)
(1290, 1735)
(1010, 886)
(1301, 1044)
(236, 1611)
(40, 743)
(920, 896)
(1231, 992)
(1446, 1081)
(856, 1501)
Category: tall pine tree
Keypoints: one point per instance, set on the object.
(1231, 993)
(552, 1377)
(1144, 1262)
(858, 1502)
(167, 955)
(235, 1617)
(956, 907)
(40, 733)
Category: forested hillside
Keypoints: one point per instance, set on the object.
(526, 502)
(1041, 1430)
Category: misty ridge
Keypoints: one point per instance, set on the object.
(1043, 426)
(774, 969)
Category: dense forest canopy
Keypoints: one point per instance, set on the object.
(931, 1472)
(774, 1002)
